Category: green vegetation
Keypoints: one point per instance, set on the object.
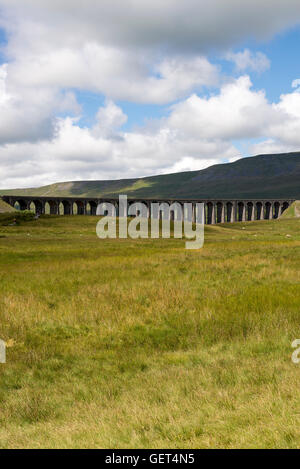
(263, 176)
(141, 343)
(15, 218)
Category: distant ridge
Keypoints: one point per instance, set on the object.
(262, 176)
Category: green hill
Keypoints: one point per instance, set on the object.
(262, 176)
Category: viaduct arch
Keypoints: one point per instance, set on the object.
(216, 211)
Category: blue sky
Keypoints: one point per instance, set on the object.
(283, 53)
(86, 93)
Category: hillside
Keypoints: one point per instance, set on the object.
(5, 208)
(262, 176)
(293, 211)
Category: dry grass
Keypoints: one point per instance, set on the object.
(5, 208)
(293, 211)
(124, 343)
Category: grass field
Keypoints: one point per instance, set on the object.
(132, 344)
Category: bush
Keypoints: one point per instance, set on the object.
(16, 217)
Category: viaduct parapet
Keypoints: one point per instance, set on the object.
(216, 211)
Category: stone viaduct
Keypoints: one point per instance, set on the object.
(216, 211)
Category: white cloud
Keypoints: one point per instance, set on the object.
(271, 146)
(26, 114)
(192, 24)
(296, 83)
(109, 120)
(248, 60)
(198, 132)
(80, 153)
(4, 96)
(149, 51)
(236, 112)
(116, 73)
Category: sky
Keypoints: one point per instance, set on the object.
(128, 88)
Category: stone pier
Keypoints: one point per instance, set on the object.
(216, 211)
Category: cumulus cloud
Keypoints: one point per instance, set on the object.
(26, 114)
(247, 60)
(192, 24)
(198, 132)
(109, 119)
(234, 113)
(107, 152)
(150, 51)
(238, 112)
(121, 75)
(296, 83)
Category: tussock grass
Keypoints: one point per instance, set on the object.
(141, 343)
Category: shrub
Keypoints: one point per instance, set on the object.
(16, 217)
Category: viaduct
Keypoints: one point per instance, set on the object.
(216, 211)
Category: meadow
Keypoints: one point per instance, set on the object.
(143, 344)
